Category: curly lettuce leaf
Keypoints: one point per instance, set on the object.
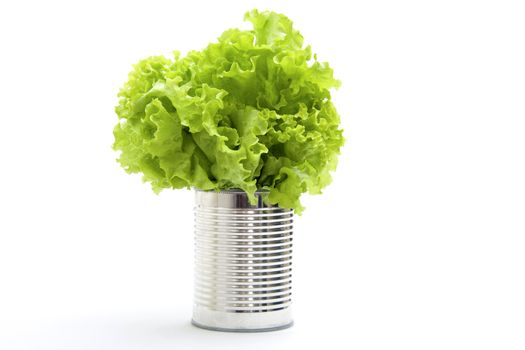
(251, 111)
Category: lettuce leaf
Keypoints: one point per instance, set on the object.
(251, 111)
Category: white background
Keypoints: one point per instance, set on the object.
(417, 244)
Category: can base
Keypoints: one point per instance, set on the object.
(241, 322)
(242, 330)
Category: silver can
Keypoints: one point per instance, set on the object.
(243, 263)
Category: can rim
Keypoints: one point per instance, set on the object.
(233, 190)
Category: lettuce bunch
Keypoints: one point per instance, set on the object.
(251, 111)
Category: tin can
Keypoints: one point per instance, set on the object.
(243, 263)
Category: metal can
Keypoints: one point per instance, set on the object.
(243, 263)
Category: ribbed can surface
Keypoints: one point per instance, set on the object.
(243, 263)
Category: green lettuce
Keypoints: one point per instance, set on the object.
(251, 111)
